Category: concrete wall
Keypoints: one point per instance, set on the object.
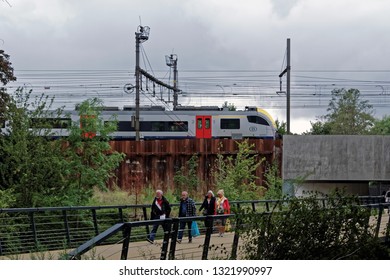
(355, 188)
(336, 158)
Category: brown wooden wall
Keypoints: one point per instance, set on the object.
(155, 162)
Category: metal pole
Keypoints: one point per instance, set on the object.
(175, 229)
(137, 85)
(175, 90)
(126, 240)
(288, 84)
(207, 238)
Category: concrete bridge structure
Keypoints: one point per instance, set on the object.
(359, 164)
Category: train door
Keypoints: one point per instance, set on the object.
(203, 126)
(87, 126)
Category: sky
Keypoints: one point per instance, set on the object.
(227, 50)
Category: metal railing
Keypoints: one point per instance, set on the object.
(169, 238)
(168, 246)
(56, 228)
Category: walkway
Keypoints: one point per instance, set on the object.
(220, 248)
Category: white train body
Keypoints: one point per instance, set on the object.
(186, 122)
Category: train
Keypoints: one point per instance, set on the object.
(184, 122)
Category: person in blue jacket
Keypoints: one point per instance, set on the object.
(187, 209)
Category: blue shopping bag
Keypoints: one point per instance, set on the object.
(194, 229)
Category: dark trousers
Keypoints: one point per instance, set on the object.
(152, 234)
(181, 230)
(208, 223)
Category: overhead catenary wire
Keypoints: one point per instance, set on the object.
(308, 86)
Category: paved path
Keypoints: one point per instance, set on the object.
(220, 247)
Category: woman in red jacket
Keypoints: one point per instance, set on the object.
(222, 207)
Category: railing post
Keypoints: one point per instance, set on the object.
(95, 224)
(120, 212)
(236, 237)
(66, 225)
(387, 228)
(126, 241)
(267, 206)
(145, 218)
(378, 225)
(167, 233)
(209, 231)
(33, 229)
(175, 228)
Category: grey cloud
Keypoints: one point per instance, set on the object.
(283, 7)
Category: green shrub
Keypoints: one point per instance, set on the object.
(307, 230)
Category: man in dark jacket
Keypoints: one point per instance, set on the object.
(160, 210)
(187, 209)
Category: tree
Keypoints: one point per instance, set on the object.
(229, 106)
(320, 128)
(236, 174)
(274, 181)
(37, 171)
(347, 115)
(30, 163)
(381, 127)
(186, 177)
(6, 76)
(6, 69)
(89, 159)
(30, 169)
(281, 127)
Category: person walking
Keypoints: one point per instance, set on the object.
(222, 207)
(208, 207)
(160, 209)
(187, 209)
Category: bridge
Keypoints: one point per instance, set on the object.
(117, 232)
(357, 163)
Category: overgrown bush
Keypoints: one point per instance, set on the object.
(305, 229)
(274, 181)
(237, 174)
(186, 177)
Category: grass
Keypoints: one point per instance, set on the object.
(112, 197)
(116, 196)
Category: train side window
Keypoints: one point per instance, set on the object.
(145, 126)
(207, 123)
(51, 122)
(262, 121)
(158, 126)
(230, 123)
(62, 123)
(178, 126)
(258, 120)
(124, 126)
(199, 121)
(252, 119)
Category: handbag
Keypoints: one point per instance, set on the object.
(194, 229)
(220, 211)
(228, 226)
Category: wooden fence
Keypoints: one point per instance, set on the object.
(156, 162)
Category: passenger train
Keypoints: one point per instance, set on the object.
(184, 122)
